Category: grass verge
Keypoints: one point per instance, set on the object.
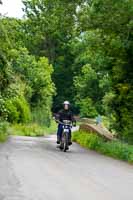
(3, 137)
(33, 130)
(3, 131)
(115, 149)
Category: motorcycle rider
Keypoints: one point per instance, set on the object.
(65, 114)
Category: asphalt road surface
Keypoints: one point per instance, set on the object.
(34, 169)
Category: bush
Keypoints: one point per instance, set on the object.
(12, 113)
(87, 109)
(115, 149)
(23, 109)
(17, 110)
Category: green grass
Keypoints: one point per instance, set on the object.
(115, 149)
(33, 130)
(3, 131)
(3, 137)
(52, 129)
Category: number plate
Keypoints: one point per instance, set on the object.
(66, 130)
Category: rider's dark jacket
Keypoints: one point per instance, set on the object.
(66, 115)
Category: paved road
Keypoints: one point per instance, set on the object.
(33, 169)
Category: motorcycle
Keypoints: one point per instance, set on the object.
(64, 143)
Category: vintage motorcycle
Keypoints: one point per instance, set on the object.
(64, 143)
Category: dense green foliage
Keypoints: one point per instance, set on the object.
(108, 48)
(25, 81)
(50, 28)
(115, 149)
(90, 46)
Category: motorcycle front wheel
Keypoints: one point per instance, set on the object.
(64, 142)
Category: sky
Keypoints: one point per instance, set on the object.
(12, 8)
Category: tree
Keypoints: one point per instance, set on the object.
(36, 74)
(50, 28)
(112, 54)
(25, 82)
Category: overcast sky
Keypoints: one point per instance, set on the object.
(12, 8)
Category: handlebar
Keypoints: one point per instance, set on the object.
(61, 122)
(64, 123)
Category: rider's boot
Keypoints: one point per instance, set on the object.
(67, 148)
(58, 140)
